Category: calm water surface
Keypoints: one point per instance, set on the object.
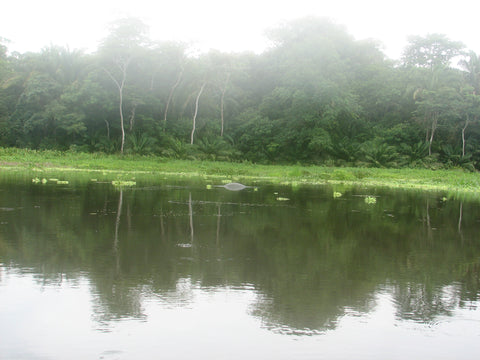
(173, 270)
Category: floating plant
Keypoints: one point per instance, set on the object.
(370, 199)
(120, 183)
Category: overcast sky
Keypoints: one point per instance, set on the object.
(227, 25)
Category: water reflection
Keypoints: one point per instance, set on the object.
(305, 266)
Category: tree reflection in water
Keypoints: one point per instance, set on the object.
(309, 261)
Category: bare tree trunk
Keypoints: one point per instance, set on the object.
(132, 116)
(224, 90)
(170, 96)
(463, 136)
(196, 112)
(108, 129)
(123, 66)
(434, 127)
(427, 131)
(121, 118)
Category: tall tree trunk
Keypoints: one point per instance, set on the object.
(434, 127)
(123, 66)
(170, 96)
(108, 128)
(224, 90)
(121, 117)
(196, 112)
(463, 135)
(132, 116)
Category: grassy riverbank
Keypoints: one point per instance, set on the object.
(128, 166)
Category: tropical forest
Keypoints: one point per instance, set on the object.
(315, 96)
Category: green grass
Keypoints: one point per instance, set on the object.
(116, 167)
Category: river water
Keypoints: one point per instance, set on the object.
(173, 269)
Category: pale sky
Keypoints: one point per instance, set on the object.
(227, 25)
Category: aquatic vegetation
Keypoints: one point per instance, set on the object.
(55, 180)
(36, 180)
(108, 167)
(370, 200)
(122, 183)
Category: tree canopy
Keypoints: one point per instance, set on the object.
(316, 96)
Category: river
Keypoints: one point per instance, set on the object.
(175, 269)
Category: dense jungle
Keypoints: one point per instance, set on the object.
(317, 95)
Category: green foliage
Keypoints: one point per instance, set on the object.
(413, 155)
(370, 200)
(318, 96)
(433, 50)
(215, 149)
(140, 144)
(452, 158)
(345, 151)
(380, 155)
(104, 144)
(177, 149)
(50, 163)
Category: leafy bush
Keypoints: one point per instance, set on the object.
(382, 155)
(214, 149)
(345, 151)
(452, 158)
(414, 155)
(140, 144)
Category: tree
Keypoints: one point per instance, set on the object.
(429, 59)
(3, 59)
(470, 108)
(435, 106)
(194, 120)
(472, 71)
(431, 51)
(471, 94)
(170, 61)
(127, 36)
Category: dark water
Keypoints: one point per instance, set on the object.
(176, 271)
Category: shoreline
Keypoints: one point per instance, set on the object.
(124, 167)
